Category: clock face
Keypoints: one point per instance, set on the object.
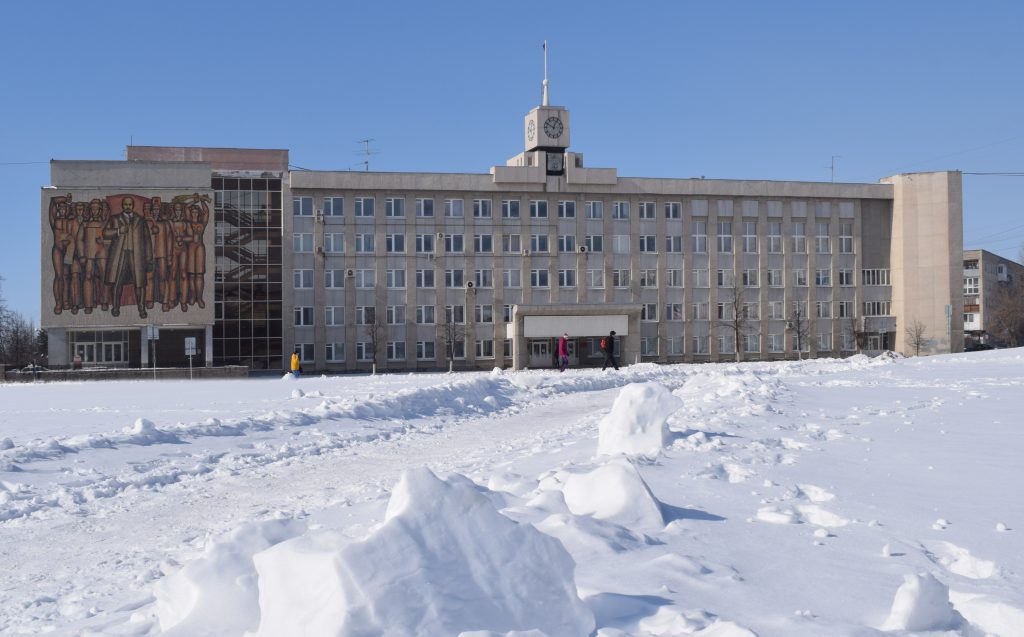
(531, 130)
(553, 127)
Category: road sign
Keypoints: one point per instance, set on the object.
(190, 346)
(153, 332)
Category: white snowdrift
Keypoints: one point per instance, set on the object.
(444, 562)
(615, 492)
(922, 603)
(637, 423)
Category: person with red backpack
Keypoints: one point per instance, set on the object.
(608, 347)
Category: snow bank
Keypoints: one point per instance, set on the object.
(615, 492)
(216, 593)
(444, 561)
(922, 603)
(637, 423)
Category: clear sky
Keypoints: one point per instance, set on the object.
(732, 90)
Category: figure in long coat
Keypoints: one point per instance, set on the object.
(130, 253)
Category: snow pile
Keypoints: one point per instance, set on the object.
(443, 562)
(615, 492)
(216, 593)
(922, 603)
(637, 423)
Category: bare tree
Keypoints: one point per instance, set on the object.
(451, 332)
(375, 334)
(916, 333)
(1005, 313)
(733, 317)
(799, 325)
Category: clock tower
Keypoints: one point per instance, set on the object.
(547, 129)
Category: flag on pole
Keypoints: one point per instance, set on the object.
(545, 45)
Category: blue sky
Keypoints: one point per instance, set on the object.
(734, 90)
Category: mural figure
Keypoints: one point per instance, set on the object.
(152, 258)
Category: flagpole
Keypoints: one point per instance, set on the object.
(545, 100)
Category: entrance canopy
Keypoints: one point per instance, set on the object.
(541, 326)
(578, 321)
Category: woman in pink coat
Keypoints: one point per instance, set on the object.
(563, 352)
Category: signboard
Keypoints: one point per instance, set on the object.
(190, 346)
(153, 332)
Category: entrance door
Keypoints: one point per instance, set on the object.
(540, 353)
(87, 352)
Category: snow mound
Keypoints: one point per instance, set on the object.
(216, 593)
(615, 492)
(444, 561)
(144, 432)
(288, 376)
(637, 423)
(987, 613)
(922, 603)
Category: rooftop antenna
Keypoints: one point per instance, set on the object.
(544, 101)
(366, 152)
(833, 166)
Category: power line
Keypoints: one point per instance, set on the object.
(998, 174)
(21, 163)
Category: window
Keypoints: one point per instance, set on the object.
(701, 311)
(506, 347)
(302, 242)
(673, 210)
(303, 316)
(455, 314)
(674, 278)
(567, 278)
(675, 345)
(823, 278)
(303, 278)
(454, 278)
(799, 237)
(364, 351)
(395, 350)
(649, 312)
(971, 285)
(394, 243)
(424, 207)
(539, 279)
(825, 342)
(506, 313)
(567, 243)
(821, 243)
(510, 209)
(726, 312)
(424, 314)
(751, 343)
(483, 243)
(776, 343)
(726, 278)
(594, 243)
(849, 341)
(800, 277)
(876, 308)
(775, 279)
(334, 206)
(594, 209)
(366, 279)
(539, 242)
(364, 243)
(701, 344)
(649, 278)
(823, 309)
(454, 243)
(845, 309)
(453, 208)
(595, 279)
(648, 243)
(620, 210)
(395, 314)
(538, 210)
(395, 279)
(333, 279)
(775, 237)
(334, 242)
(485, 348)
(846, 238)
(620, 278)
(646, 210)
(394, 207)
(751, 311)
(725, 236)
(364, 206)
(511, 243)
(726, 344)
(674, 312)
(335, 352)
(512, 278)
(846, 278)
(750, 278)
(776, 311)
(484, 278)
(620, 244)
(566, 209)
(648, 346)
(482, 208)
(334, 315)
(750, 237)
(483, 314)
(701, 278)
(458, 349)
(674, 243)
(700, 236)
(425, 350)
(425, 278)
(305, 352)
(365, 314)
(302, 206)
(424, 243)
(874, 277)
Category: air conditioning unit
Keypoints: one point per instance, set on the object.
(440, 236)
(431, 257)
(350, 273)
(319, 215)
(469, 285)
(526, 252)
(789, 325)
(582, 249)
(320, 250)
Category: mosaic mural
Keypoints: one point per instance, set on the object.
(149, 253)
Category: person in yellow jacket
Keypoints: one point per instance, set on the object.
(296, 367)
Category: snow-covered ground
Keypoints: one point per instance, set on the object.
(818, 498)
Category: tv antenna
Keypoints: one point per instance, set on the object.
(366, 152)
(834, 165)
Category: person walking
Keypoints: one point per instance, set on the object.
(296, 367)
(608, 346)
(563, 352)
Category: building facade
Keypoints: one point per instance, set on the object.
(990, 285)
(405, 271)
